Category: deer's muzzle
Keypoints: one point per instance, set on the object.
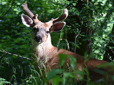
(38, 38)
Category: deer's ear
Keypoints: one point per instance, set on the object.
(57, 26)
(27, 21)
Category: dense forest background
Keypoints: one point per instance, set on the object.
(89, 32)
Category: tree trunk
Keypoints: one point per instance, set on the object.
(85, 46)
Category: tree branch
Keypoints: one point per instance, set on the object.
(5, 52)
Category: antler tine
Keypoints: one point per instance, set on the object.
(26, 9)
(62, 17)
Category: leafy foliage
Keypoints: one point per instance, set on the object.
(3, 81)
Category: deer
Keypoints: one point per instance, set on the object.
(46, 53)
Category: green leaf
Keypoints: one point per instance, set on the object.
(62, 58)
(56, 80)
(65, 76)
(74, 4)
(73, 62)
(53, 73)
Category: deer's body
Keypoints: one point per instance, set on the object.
(43, 49)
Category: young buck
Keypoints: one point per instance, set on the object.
(45, 52)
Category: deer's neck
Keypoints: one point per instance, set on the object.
(44, 50)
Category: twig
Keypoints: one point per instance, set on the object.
(3, 14)
(59, 39)
(5, 52)
(75, 40)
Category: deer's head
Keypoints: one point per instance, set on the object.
(42, 30)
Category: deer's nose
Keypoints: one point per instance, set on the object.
(38, 38)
